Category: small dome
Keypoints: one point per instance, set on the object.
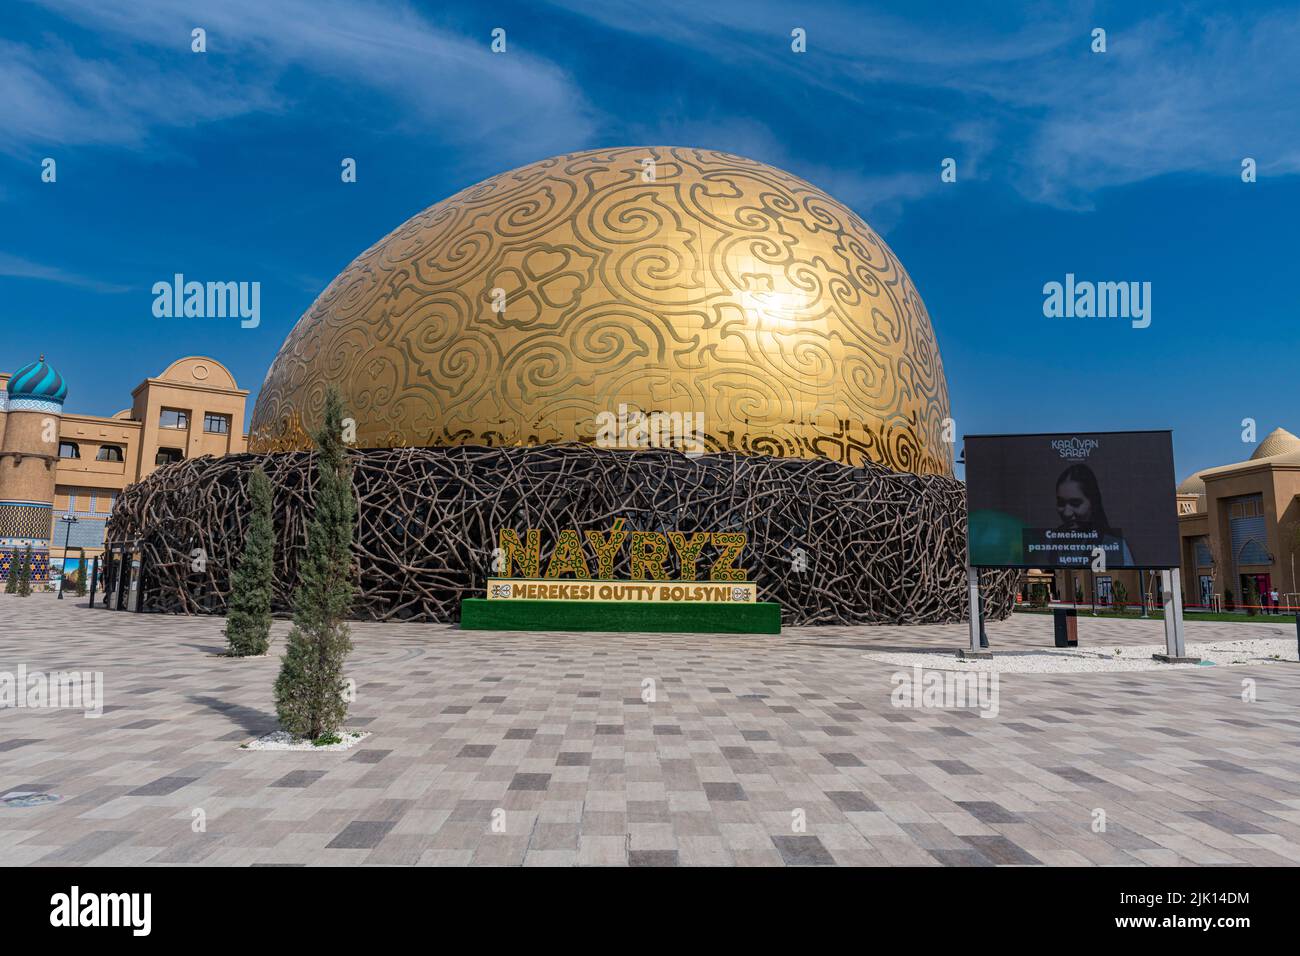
(38, 380)
(1279, 442)
(1193, 484)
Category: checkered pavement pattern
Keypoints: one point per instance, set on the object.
(645, 750)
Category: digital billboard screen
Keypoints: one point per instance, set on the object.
(1047, 501)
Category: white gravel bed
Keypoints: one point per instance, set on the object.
(1063, 660)
(279, 740)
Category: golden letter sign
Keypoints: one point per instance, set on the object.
(649, 552)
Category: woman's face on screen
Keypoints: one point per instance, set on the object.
(1075, 509)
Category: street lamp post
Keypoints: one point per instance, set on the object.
(68, 521)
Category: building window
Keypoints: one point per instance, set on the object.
(1251, 506)
(173, 418)
(1207, 590)
(217, 424)
(109, 453)
(166, 456)
(1252, 552)
(69, 449)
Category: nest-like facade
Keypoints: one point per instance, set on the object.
(831, 544)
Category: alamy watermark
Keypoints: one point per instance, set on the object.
(58, 689)
(1098, 300)
(945, 690)
(208, 300)
(632, 428)
(132, 911)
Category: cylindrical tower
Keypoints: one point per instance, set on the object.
(29, 459)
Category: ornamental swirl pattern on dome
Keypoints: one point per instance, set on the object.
(719, 286)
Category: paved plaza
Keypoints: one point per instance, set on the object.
(541, 749)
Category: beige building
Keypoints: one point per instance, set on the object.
(1239, 538)
(56, 464)
(1239, 527)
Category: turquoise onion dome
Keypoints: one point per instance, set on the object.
(38, 380)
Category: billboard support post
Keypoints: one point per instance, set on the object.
(973, 588)
(1175, 646)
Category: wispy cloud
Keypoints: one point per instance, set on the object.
(17, 267)
(1016, 97)
(1178, 92)
(54, 96)
(146, 78)
(1171, 95)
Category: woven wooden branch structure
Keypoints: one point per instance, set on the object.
(831, 544)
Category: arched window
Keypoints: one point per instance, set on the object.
(69, 449)
(166, 456)
(110, 453)
(1252, 552)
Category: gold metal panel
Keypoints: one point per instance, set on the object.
(723, 286)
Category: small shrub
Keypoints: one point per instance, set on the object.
(25, 574)
(248, 615)
(309, 693)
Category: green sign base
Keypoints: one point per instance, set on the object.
(480, 614)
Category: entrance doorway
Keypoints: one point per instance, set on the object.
(1261, 584)
(1105, 592)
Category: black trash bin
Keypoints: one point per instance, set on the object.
(1066, 620)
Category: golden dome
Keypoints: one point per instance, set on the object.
(659, 278)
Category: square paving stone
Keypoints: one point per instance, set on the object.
(724, 791)
(299, 778)
(955, 767)
(162, 786)
(652, 858)
(960, 857)
(988, 812)
(361, 835)
(851, 801)
(1002, 851)
(803, 850)
(843, 760)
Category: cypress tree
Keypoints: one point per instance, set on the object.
(11, 581)
(248, 616)
(25, 574)
(309, 691)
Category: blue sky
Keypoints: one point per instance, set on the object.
(1122, 166)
